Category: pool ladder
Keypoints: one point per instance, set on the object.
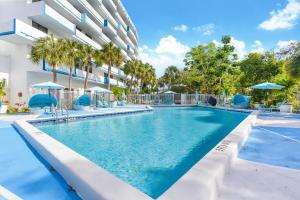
(62, 109)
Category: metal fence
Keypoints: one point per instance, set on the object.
(171, 99)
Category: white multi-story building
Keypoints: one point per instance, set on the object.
(93, 22)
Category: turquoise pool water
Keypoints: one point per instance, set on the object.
(152, 150)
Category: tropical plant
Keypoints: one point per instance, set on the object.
(2, 88)
(70, 54)
(131, 69)
(211, 67)
(88, 56)
(117, 91)
(170, 77)
(111, 56)
(293, 66)
(50, 50)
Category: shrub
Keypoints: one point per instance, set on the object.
(24, 109)
(12, 110)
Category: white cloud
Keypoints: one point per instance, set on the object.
(258, 47)
(284, 18)
(168, 52)
(206, 29)
(285, 44)
(239, 47)
(181, 27)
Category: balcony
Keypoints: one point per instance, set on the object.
(65, 8)
(109, 29)
(120, 42)
(90, 24)
(19, 32)
(110, 4)
(120, 19)
(86, 40)
(114, 70)
(103, 39)
(48, 17)
(85, 7)
(106, 15)
(132, 37)
(122, 32)
(129, 49)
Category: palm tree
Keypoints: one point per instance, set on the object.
(131, 69)
(111, 56)
(89, 56)
(49, 49)
(70, 56)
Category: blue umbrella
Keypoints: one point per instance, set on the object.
(100, 90)
(48, 85)
(267, 86)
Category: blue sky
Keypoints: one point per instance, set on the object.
(168, 28)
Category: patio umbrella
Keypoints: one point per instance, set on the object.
(267, 86)
(100, 90)
(170, 92)
(50, 86)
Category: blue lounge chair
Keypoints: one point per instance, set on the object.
(42, 101)
(121, 103)
(82, 103)
(277, 107)
(240, 101)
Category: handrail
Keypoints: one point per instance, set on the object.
(64, 107)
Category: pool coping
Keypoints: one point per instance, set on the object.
(200, 182)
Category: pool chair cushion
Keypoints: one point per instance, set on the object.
(240, 101)
(83, 100)
(42, 101)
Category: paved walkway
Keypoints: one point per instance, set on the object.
(24, 173)
(268, 166)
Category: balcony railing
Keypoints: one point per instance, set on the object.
(65, 6)
(90, 10)
(18, 28)
(106, 15)
(120, 42)
(86, 40)
(48, 17)
(85, 19)
(109, 29)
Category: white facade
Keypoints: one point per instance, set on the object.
(94, 22)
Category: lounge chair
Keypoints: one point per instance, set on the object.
(102, 104)
(121, 103)
(42, 101)
(277, 107)
(240, 101)
(82, 103)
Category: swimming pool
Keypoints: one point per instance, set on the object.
(152, 150)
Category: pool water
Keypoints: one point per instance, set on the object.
(152, 150)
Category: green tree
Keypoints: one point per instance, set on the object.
(211, 68)
(71, 56)
(88, 57)
(2, 88)
(117, 91)
(131, 68)
(49, 49)
(170, 77)
(257, 68)
(111, 56)
(293, 66)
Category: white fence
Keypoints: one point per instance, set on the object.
(169, 99)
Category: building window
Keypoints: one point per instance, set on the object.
(39, 27)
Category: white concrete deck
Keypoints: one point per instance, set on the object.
(249, 180)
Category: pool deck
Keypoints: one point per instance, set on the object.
(268, 166)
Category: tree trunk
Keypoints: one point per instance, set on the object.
(86, 78)
(130, 84)
(142, 83)
(54, 74)
(70, 78)
(109, 72)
